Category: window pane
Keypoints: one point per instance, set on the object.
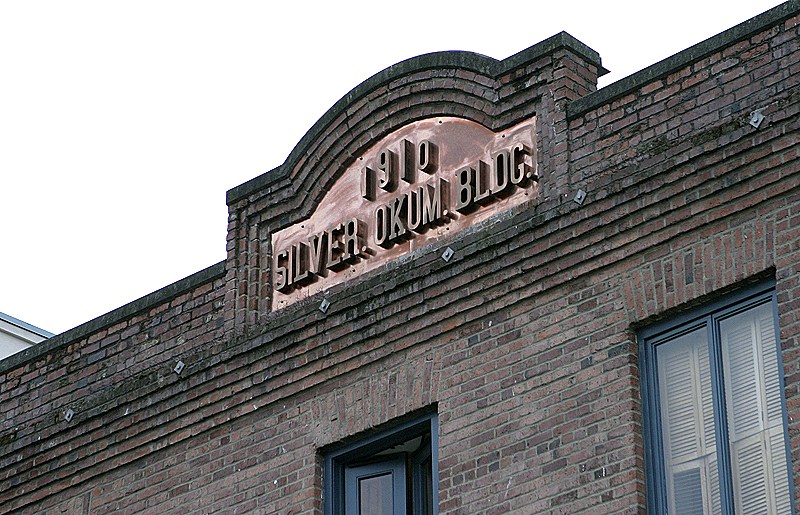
(376, 488)
(427, 487)
(375, 495)
(783, 501)
(749, 477)
(388, 472)
(688, 424)
(755, 416)
(688, 493)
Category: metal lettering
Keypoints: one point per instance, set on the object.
(520, 171)
(426, 156)
(397, 226)
(432, 205)
(386, 169)
(334, 247)
(500, 173)
(415, 209)
(317, 253)
(368, 183)
(281, 273)
(407, 171)
(382, 226)
(300, 257)
(350, 240)
(483, 191)
(465, 189)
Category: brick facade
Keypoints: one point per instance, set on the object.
(524, 342)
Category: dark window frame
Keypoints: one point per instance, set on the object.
(708, 316)
(365, 451)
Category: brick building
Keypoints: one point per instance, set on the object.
(474, 287)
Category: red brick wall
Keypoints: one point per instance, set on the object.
(111, 373)
(524, 341)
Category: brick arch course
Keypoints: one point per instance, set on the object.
(451, 83)
(495, 94)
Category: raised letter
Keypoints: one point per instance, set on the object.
(426, 156)
(281, 274)
(415, 209)
(317, 253)
(300, 251)
(500, 173)
(368, 183)
(350, 240)
(382, 226)
(407, 161)
(397, 226)
(334, 248)
(483, 186)
(465, 189)
(386, 180)
(432, 202)
(520, 172)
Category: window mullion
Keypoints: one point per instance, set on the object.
(720, 417)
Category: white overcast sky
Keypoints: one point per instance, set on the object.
(123, 124)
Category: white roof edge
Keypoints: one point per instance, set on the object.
(26, 326)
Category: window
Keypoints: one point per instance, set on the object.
(714, 411)
(389, 473)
